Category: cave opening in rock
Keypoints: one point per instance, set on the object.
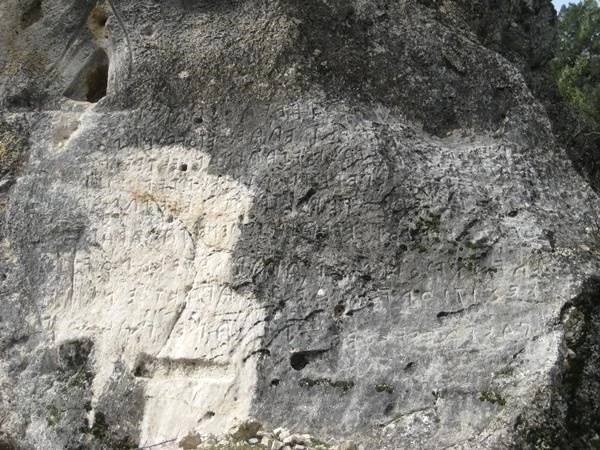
(97, 82)
(32, 13)
(91, 83)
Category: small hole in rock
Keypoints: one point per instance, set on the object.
(298, 361)
(139, 370)
(339, 309)
(275, 382)
(147, 30)
(209, 414)
(388, 409)
(97, 21)
(183, 167)
(102, 21)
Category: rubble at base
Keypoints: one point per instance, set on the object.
(250, 435)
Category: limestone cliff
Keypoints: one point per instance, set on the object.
(345, 217)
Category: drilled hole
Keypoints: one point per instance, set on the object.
(275, 382)
(183, 167)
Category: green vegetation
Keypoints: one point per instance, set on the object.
(492, 397)
(54, 415)
(577, 61)
(234, 446)
(343, 386)
(507, 371)
(100, 428)
(247, 446)
(384, 388)
(9, 146)
(246, 431)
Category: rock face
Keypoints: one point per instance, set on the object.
(343, 217)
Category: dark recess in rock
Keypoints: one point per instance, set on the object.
(299, 361)
(119, 412)
(32, 13)
(91, 83)
(573, 417)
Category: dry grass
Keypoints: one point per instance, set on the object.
(3, 151)
(9, 149)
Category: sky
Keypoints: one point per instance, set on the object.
(559, 3)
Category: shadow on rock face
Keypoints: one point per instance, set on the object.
(119, 412)
(400, 55)
(91, 82)
(571, 420)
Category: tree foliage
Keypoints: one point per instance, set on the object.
(577, 60)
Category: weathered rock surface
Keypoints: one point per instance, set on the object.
(344, 217)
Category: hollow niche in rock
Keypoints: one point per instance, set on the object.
(32, 13)
(299, 361)
(91, 82)
(96, 22)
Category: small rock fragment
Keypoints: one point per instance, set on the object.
(348, 445)
(307, 439)
(246, 430)
(281, 433)
(190, 442)
(295, 439)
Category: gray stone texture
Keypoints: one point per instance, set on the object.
(350, 218)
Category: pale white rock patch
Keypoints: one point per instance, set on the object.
(150, 286)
